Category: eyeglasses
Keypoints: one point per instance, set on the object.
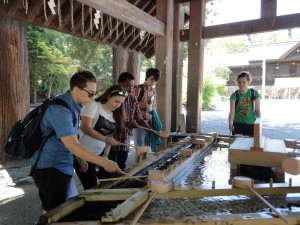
(121, 93)
(91, 94)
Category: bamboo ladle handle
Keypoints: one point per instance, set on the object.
(268, 204)
(131, 176)
(122, 178)
(146, 128)
(129, 145)
(140, 213)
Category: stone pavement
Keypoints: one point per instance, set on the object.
(19, 202)
(280, 119)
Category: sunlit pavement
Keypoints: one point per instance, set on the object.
(280, 119)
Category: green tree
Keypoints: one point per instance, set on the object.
(222, 72)
(89, 55)
(92, 56)
(34, 34)
(56, 68)
(209, 91)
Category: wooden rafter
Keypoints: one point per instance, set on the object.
(34, 10)
(128, 29)
(127, 12)
(51, 17)
(115, 39)
(78, 19)
(66, 12)
(139, 4)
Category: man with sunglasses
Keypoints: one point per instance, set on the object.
(119, 154)
(54, 168)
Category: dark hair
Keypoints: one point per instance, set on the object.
(245, 74)
(153, 72)
(80, 78)
(125, 76)
(118, 114)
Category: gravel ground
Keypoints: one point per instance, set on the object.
(205, 206)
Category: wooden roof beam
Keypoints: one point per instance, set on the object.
(247, 27)
(253, 26)
(129, 13)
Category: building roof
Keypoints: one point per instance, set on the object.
(256, 53)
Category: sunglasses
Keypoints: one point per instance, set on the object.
(120, 93)
(91, 94)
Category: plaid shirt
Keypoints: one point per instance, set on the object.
(131, 110)
(149, 96)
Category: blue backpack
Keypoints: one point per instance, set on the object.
(25, 136)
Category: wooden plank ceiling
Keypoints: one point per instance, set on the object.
(76, 18)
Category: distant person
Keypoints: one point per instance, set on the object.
(244, 106)
(146, 96)
(54, 168)
(100, 121)
(119, 154)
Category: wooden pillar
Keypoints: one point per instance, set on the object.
(177, 66)
(195, 66)
(163, 53)
(133, 65)
(120, 57)
(268, 8)
(14, 76)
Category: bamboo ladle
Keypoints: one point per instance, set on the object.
(154, 190)
(146, 128)
(140, 213)
(122, 178)
(246, 182)
(161, 134)
(129, 145)
(131, 176)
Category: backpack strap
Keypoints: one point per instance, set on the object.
(237, 98)
(142, 91)
(55, 101)
(252, 96)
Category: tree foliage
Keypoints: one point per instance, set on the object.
(54, 57)
(92, 56)
(56, 68)
(209, 91)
